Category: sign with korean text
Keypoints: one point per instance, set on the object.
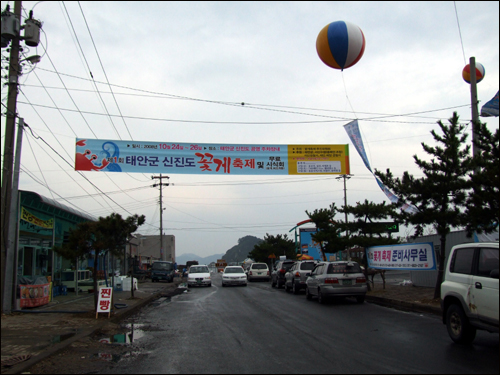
(32, 219)
(210, 158)
(411, 256)
(104, 301)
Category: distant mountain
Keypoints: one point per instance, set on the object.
(182, 259)
(240, 252)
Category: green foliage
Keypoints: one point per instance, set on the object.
(277, 245)
(482, 214)
(440, 196)
(93, 238)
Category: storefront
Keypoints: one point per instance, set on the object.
(43, 223)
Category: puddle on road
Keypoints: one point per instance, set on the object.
(134, 332)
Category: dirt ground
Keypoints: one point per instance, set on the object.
(408, 293)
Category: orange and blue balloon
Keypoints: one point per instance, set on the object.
(480, 72)
(340, 44)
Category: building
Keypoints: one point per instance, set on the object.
(146, 249)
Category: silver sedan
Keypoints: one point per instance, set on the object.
(336, 279)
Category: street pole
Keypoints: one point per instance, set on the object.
(8, 160)
(474, 102)
(161, 184)
(345, 177)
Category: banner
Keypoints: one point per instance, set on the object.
(354, 134)
(490, 109)
(32, 219)
(34, 295)
(210, 158)
(413, 256)
(104, 301)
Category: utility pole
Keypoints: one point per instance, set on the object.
(161, 184)
(345, 177)
(8, 152)
(474, 102)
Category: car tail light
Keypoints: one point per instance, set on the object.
(250, 273)
(360, 280)
(331, 280)
(282, 270)
(297, 274)
(267, 273)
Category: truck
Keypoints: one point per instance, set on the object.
(190, 263)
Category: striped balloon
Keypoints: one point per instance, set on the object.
(479, 73)
(340, 44)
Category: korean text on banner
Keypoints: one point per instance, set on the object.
(104, 301)
(210, 158)
(412, 256)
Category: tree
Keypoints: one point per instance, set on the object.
(277, 245)
(91, 239)
(482, 214)
(329, 232)
(440, 196)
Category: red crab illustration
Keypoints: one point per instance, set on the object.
(83, 163)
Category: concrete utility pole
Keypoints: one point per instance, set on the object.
(161, 184)
(345, 177)
(8, 155)
(473, 102)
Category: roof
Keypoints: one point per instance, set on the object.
(60, 206)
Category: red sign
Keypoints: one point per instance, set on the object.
(34, 295)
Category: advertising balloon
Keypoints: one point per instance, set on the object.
(479, 73)
(340, 44)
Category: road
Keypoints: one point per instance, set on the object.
(258, 329)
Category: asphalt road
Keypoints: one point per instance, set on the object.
(258, 329)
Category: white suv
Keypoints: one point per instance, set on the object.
(469, 292)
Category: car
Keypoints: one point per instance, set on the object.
(234, 275)
(161, 270)
(469, 291)
(336, 279)
(258, 271)
(278, 274)
(199, 275)
(295, 278)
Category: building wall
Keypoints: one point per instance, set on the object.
(149, 249)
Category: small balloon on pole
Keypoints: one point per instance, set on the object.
(480, 72)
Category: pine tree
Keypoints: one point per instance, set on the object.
(440, 195)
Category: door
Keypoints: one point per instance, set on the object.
(484, 288)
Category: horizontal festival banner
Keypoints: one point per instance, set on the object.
(210, 158)
(410, 256)
(30, 218)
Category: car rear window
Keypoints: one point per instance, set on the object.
(344, 268)
(462, 261)
(259, 266)
(307, 266)
(287, 266)
(162, 266)
(234, 270)
(198, 270)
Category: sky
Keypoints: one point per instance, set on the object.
(177, 72)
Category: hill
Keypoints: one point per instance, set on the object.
(182, 259)
(239, 253)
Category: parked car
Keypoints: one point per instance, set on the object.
(258, 271)
(162, 271)
(199, 275)
(469, 292)
(295, 278)
(234, 275)
(336, 279)
(278, 274)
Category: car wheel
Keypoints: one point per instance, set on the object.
(223, 285)
(458, 325)
(308, 295)
(209, 285)
(287, 288)
(295, 290)
(273, 284)
(321, 297)
(360, 299)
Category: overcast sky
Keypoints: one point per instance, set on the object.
(177, 69)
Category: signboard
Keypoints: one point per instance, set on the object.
(308, 245)
(382, 227)
(34, 295)
(413, 256)
(104, 302)
(32, 219)
(210, 158)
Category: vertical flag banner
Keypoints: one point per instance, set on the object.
(354, 134)
(210, 158)
(490, 109)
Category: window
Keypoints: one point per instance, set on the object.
(259, 266)
(488, 261)
(307, 266)
(462, 261)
